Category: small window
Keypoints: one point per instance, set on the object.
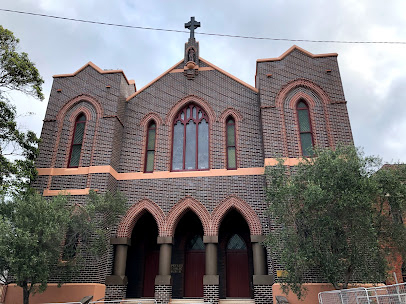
(150, 148)
(305, 129)
(190, 145)
(71, 245)
(196, 243)
(231, 145)
(236, 243)
(77, 140)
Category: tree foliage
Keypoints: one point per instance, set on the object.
(40, 236)
(18, 149)
(336, 214)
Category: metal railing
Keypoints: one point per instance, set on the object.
(387, 294)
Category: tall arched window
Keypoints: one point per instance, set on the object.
(150, 148)
(190, 146)
(230, 144)
(305, 128)
(77, 140)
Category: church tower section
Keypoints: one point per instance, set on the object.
(82, 128)
(302, 104)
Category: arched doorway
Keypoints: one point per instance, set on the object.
(235, 257)
(143, 258)
(188, 258)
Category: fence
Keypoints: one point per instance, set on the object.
(387, 294)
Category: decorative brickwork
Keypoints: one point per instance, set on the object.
(263, 294)
(181, 208)
(246, 211)
(128, 222)
(211, 294)
(113, 150)
(163, 294)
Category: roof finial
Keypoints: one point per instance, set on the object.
(192, 25)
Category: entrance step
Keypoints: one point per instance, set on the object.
(187, 301)
(139, 301)
(236, 301)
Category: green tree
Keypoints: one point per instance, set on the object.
(40, 236)
(337, 214)
(18, 149)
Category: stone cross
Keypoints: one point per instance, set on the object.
(192, 25)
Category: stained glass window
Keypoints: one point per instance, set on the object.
(196, 243)
(190, 150)
(77, 140)
(236, 243)
(150, 147)
(231, 146)
(305, 129)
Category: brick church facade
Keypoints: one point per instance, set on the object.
(188, 150)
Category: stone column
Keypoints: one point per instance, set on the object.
(211, 278)
(116, 283)
(262, 282)
(120, 260)
(163, 281)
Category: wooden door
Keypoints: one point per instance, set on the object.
(237, 275)
(194, 268)
(151, 269)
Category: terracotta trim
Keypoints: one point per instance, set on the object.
(98, 70)
(295, 47)
(184, 205)
(247, 212)
(153, 81)
(280, 98)
(153, 175)
(165, 174)
(48, 192)
(151, 116)
(287, 161)
(229, 75)
(200, 69)
(132, 215)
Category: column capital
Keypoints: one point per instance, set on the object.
(165, 240)
(120, 241)
(214, 239)
(257, 238)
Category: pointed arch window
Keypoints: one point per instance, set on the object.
(236, 243)
(77, 141)
(190, 145)
(231, 144)
(150, 148)
(305, 128)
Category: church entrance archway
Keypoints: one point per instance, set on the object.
(188, 258)
(235, 257)
(143, 258)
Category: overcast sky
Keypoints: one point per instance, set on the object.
(374, 76)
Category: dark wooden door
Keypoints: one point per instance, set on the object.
(194, 271)
(151, 269)
(237, 274)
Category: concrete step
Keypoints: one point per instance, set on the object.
(236, 301)
(139, 301)
(187, 301)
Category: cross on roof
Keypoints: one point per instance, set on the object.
(192, 25)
